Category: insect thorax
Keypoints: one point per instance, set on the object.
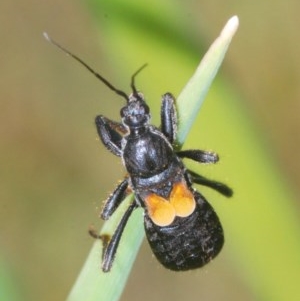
(146, 153)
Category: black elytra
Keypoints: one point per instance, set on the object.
(182, 228)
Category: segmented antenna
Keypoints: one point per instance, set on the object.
(133, 77)
(106, 82)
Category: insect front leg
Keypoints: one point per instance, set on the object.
(218, 186)
(199, 155)
(114, 200)
(110, 134)
(168, 117)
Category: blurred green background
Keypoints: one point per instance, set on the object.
(54, 171)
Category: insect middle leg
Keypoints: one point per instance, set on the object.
(199, 155)
(114, 200)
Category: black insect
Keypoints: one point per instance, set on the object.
(182, 228)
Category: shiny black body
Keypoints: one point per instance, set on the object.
(154, 168)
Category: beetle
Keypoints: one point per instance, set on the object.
(182, 228)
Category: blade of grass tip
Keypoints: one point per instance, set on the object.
(92, 284)
(192, 96)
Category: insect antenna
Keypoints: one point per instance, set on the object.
(132, 85)
(100, 77)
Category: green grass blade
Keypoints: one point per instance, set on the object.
(92, 284)
(193, 94)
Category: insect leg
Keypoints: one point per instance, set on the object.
(110, 134)
(218, 186)
(168, 117)
(199, 155)
(110, 251)
(114, 200)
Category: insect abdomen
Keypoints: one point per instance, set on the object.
(189, 242)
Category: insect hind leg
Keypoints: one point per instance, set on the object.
(218, 186)
(110, 246)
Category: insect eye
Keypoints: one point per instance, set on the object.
(146, 109)
(123, 112)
